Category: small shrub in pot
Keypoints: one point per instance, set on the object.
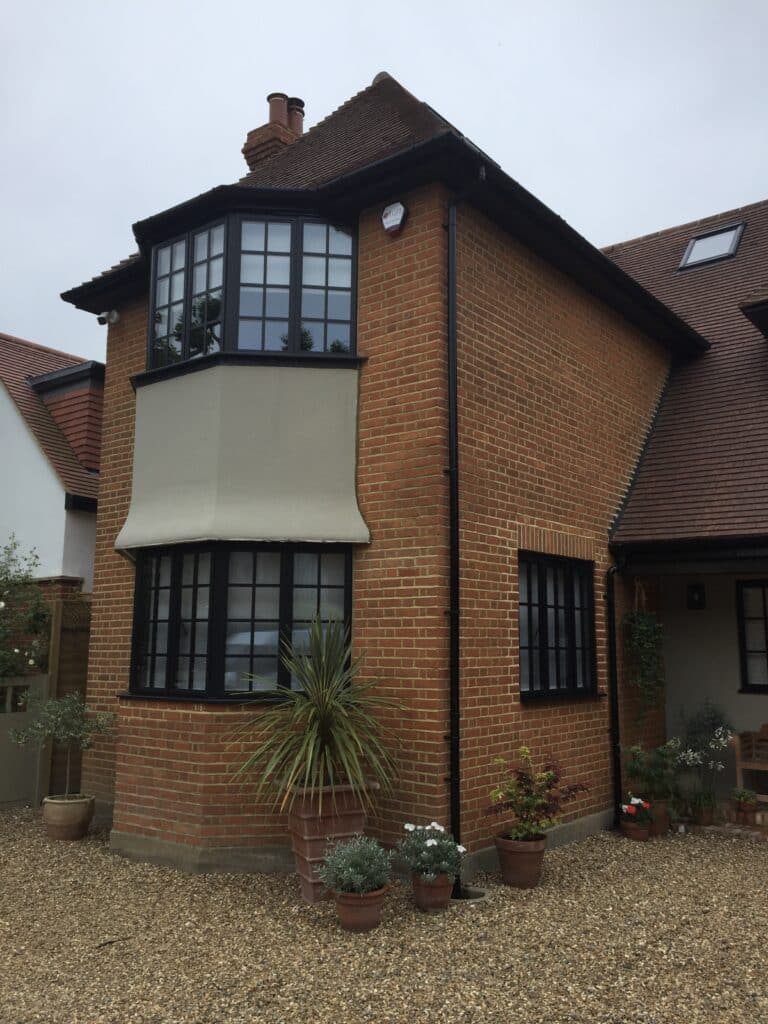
(635, 818)
(357, 871)
(535, 798)
(434, 859)
(746, 806)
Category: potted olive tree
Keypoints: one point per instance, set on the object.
(357, 871)
(434, 859)
(321, 749)
(535, 799)
(65, 721)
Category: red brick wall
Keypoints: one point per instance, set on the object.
(79, 413)
(556, 393)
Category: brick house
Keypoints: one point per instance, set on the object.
(375, 378)
(50, 425)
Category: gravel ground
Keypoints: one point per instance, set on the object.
(671, 931)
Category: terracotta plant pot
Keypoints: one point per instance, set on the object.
(432, 896)
(311, 832)
(630, 830)
(661, 820)
(746, 814)
(360, 912)
(67, 817)
(704, 816)
(521, 860)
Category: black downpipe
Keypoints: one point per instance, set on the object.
(613, 689)
(453, 528)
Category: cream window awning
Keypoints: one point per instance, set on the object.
(246, 452)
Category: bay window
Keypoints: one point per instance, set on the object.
(209, 620)
(253, 284)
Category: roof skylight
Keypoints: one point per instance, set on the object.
(715, 245)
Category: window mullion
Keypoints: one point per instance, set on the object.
(543, 652)
(294, 286)
(285, 631)
(217, 621)
(174, 620)
(231, 290)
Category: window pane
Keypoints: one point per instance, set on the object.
(340, 273)
(177, 287)
(339, 306)
(239, 603)
(313, 302)
(332, 570)
(235, 672)
(202, 602)
(182, 673)
(279, 237)
(179, 254)
(201, 246)
(252, 269)
(278, 269)
(241, 567)
(164, 577)
(176, 320)
(267, 602)
(525, 669)
(305, 568)
(204, 568)
(755, 632)
(158, 678)
(216, 272)
(753, 602)
(217, 240)
(276, 335)
(314, 237)
(249, 334)
(251, 301)
(239, 638)
(304, 603)
(277, 302)
(265, 672)
(712, 246)
(199, 277)
(201, 638)
(161, 322)
(199, 674)
(268, 567)
(332, 603)
(339, 242)
(161, 637)
(337, 337)
(252, 235)
(757, 669)
(164, 260)
(266, 638)
(162, 292)
(313, 272)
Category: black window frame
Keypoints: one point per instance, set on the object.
(741, 586)
(738, 228)
(220, 552)
(573, 567)
(230, 297)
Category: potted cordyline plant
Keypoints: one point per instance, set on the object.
(322, 749)
(535, 798)
(357, 871)
(655, 772)
(66, 721)
(434, 859)
(635, 819)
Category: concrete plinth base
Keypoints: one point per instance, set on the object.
(195, 860)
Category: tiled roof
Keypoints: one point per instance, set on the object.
(704, 473)
(376, 123)
(20, 360)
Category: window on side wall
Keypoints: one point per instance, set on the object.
(210, 620)
(557, 627)
(752, 606)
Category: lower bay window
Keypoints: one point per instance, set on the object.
(557, 627)
(209, 620)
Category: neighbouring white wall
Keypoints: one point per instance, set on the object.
(79, 546)
(701, 652)
(31, 495)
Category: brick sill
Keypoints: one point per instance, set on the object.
(201, 698)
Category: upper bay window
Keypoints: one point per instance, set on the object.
(253, 284)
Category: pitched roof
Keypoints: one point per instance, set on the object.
(19, 361)
(704, 473)
(376, 123)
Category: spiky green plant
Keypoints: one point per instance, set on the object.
(325, 733)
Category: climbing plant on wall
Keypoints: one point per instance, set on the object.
(644, 637)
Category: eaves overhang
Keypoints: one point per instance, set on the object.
(447, 157)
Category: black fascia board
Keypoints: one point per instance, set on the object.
(737, 547)
(91, 370)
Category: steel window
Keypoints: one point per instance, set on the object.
(752, 606)
(557, 626)
(209, 620)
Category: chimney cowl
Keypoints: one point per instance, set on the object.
(296, 115)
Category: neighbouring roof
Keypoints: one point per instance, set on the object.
(21, 361)
(704, 472)
(384, 139)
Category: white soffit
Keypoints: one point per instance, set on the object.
(241, 452)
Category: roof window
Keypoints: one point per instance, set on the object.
(715, 245)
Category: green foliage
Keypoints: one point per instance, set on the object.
(703, 724)
(24, 616)
(535, 798)
(327, 732)
(645, 637)
(429, 851)
(655, 770)
(64, 720)
(357, 865)
(745, 796)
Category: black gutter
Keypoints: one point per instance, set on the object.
(454, 728)
(613, 689)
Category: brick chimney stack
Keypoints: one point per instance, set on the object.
(285, 125)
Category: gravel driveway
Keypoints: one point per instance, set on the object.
(673, 931)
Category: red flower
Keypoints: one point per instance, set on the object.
(631, 809)
(646, 805)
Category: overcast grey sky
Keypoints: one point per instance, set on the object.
(623, 117)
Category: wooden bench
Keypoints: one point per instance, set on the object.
(752, 756)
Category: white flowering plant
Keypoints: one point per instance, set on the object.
(707, 738)
(429, 851)
(24, 615)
